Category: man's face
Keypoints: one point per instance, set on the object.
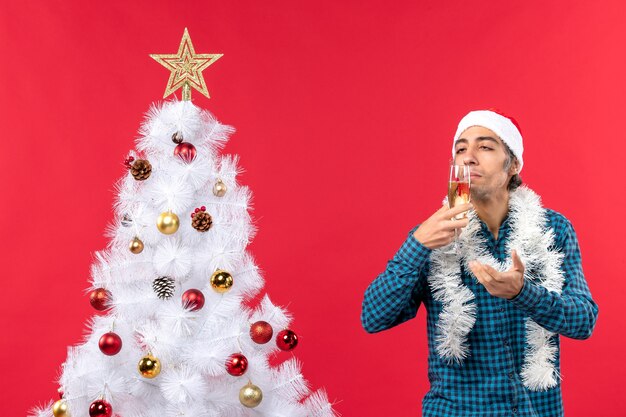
(484, 152)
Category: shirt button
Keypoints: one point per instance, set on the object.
(514, 410)
(501, 309)
(506, 342)
(510, 375)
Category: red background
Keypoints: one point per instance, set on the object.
(345, 112)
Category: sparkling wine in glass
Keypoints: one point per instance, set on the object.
(459, 187)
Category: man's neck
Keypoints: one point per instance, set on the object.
(493, 210)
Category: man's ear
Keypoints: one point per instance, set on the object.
(514, 168)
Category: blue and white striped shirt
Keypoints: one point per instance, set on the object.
(487, 383)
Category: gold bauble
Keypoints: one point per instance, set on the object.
(250, 395)
(168, 223)
(149, 366)
(59, 409)
(219, 189)
(221, 281)
(136, 245)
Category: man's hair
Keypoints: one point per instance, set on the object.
(515, 180)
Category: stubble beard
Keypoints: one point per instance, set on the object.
(480, 194)
(486, 191)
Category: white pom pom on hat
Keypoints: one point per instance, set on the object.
(505, 127)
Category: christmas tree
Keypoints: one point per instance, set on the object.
(174, 336)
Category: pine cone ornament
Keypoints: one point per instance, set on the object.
(127, 221)
(141, 169)
(163, 287)
(201, 220)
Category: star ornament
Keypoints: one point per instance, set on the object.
(186, 68)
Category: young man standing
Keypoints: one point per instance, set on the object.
(499, 297)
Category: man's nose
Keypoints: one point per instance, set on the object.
(468, 158)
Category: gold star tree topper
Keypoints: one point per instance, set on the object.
(186, 68)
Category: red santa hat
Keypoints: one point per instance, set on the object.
(504, 126)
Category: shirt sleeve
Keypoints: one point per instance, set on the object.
(394, 296)
(573, 313)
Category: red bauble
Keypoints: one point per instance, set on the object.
(100, 408)
(261, 332)
(287, 340)
(236, 364)
(185, 151)
(99, 299)
(110, 344)
(193, 299)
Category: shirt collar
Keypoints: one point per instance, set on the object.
(504, 227)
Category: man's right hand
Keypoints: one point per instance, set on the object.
(438, 229)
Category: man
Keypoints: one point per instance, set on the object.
(499, 298)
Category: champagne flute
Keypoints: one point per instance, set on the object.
(458, 190)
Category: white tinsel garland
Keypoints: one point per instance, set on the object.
(533, 240)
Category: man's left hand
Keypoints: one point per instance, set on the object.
(506, 284)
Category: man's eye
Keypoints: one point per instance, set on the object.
(460, 150)
(485, 147)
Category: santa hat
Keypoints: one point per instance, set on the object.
(504, 126)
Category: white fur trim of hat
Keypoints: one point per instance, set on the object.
(499, 124)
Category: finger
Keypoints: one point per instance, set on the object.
(483, 278)
(450, 213)
(479, 272)
(441, 210)
(510, 276)
(447, 236)
(455, 224)
(473, 267)
(494, 273)
(517, 262)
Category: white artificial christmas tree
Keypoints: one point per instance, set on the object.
(174, 337)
